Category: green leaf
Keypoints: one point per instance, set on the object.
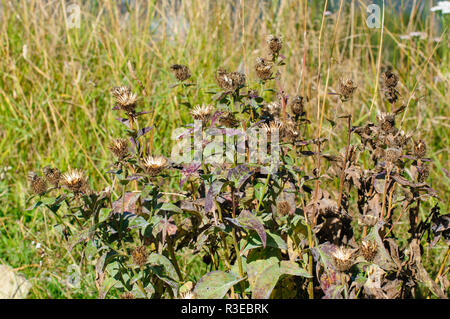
(292, 268)
(248, 220)
(273, 240)
(160, 260)
(215, 284)
(264, 274)
(171, 208)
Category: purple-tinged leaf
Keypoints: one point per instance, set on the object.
(214, 118)
(124, 121)
(248, 220)
(144, 131)
(213, 191)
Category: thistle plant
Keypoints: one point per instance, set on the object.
(292, 230)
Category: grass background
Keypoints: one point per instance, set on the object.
(55, 105)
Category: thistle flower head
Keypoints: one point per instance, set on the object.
(228, 119)
(386, 122)
(125, 98)
(272, 110)
(369, 249)
(53, 175)
(139, 255)
(37, 183)
(346, 89)
(230, 81)
(119, 147)
(75, 181)
(263, 69)
(154, 165)
(342, 258)
(202, 112)
(273, 126)
(297, 106)
(187, 295)
(392, 154)
(420, 149)
(181, 72)
(275, 44)
(283, 208)
(127, 295)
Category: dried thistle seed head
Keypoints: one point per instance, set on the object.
(423, 171)
(391, 94)
(392, 154)
(127, 295)
(369, 250)
(390, 79)
(289, 131)
(379, 153)
(75, 181)
(297, 106)
(139, 255)
(386, 122)
(125, 98)
(401, 139)
(263, 69)
(37, 183)
(273, 127)
(119, 147)
(202, 112)
(228, 119)
(230, 81)
(346, 89)
(187, 295)
(181, 72)
(283, 208)
(272, 110)
(275, 44)
(420, 149)
(53, 175)
(342, 258)
(368, 220)
(153, 166)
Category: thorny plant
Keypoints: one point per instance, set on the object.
(284, 234)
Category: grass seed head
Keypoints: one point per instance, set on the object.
(181, 72)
